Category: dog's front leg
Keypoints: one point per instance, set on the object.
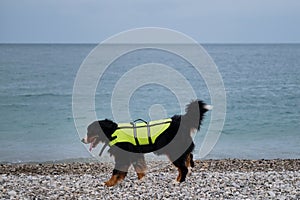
(116, 177)
(140, 166)
(120, 171)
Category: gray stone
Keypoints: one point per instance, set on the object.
(271, 193)
(12, 193)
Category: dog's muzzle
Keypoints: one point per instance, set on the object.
(84, 140)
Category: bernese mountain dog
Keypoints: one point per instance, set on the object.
(175, 142)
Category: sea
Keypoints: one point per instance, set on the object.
(261, 82)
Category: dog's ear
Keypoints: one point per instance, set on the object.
(108, 126)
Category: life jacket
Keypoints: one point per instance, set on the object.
(141, 133)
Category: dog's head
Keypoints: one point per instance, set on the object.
(99, 131)
(195, 113)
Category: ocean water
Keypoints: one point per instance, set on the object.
(261, 81)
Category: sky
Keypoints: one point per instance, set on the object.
(206, 21)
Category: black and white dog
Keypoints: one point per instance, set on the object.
(176, 142)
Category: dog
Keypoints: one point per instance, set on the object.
(175, 141)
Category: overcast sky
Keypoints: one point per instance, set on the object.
(92, 21)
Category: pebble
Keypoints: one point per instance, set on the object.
(272, 194)
(223, 179)
(12, 193)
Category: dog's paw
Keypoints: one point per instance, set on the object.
(101, 184)
(140, 175)
(175, 182)
(109, 183)
(189, 172)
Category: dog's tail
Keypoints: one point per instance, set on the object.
(195, 113)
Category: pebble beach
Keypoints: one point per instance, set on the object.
(209, 179)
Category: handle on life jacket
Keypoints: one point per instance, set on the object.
(135, 133)
(140, 120)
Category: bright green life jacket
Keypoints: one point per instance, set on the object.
(141, 133)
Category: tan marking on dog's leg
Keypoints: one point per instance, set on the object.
(121, 177)
(179, 175)
(140, 170)
(112, 181)
(188, 160)
(141, 175)
(188, 164)
(115, 179)
(140, 167)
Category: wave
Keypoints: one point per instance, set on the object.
(50, 161)
(16, 105)
(46, 94)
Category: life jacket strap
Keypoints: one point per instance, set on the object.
(149, 134)
(135, 133)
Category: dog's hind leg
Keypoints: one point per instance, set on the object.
(140, 166)
(180, 163)
(192, 164)
(189, 163)
(183, 162)
(189, 160)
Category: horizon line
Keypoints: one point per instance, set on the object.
(95, 43)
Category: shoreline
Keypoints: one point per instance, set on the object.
(229, 178)
(219, 165)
